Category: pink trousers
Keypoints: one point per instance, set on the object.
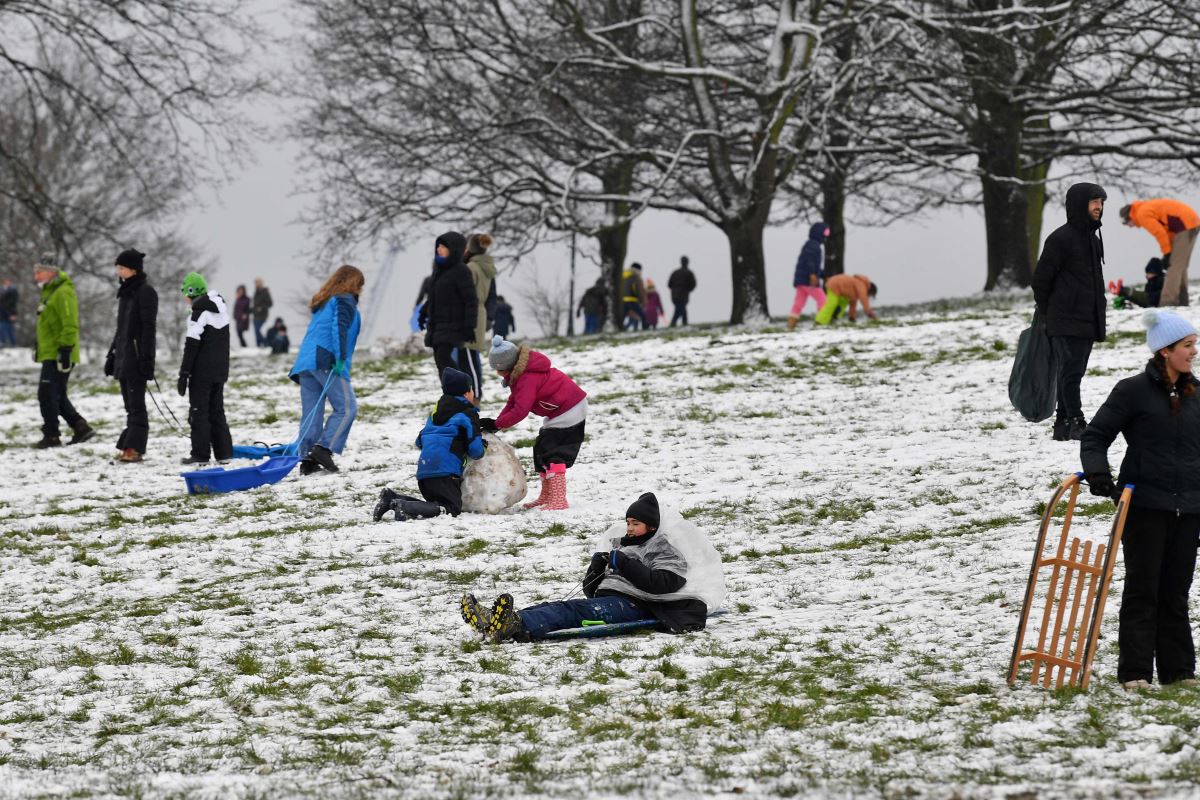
(802, 295)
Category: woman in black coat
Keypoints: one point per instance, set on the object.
(451, 309)
(1158, 412)
(131, 357)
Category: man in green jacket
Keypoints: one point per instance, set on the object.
(57, 348)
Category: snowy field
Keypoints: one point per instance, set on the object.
(874, 497)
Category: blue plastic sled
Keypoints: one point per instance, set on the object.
(217, 480)
(261, 450)
(608, 629)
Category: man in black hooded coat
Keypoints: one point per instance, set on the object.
(451, 309)
(131, 357)
(1068, 287)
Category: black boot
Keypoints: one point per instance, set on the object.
(83, 432)
(308, 466)
(416, 509)
(192, 461)
(384, 505)
(323, 457)
(47, 442)
(1077, 427)
(506, 624)
(1062, 429)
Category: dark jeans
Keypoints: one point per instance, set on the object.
(206, 415)
(633, 313)
(446, 492)
(1072, 354)
(1160, 557)
(470, 363)
(591, 323)
(554, 616)
(680, 314)
(137, 420)
(8, 337)
(557, 446)
(53, 400)
(445, 355)
(241, 332)
(259, 339)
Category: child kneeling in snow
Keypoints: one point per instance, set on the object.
(450, 435)
(673, 575)
(538, 388)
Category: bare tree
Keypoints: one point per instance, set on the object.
(548, 302)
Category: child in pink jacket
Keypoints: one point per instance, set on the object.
(535, 387)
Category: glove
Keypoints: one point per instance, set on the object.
(110, 364)
(487, 424)
(339, 367)
(181, 386)
(616, 560)
(595, 574)
(1101, 484)
(64, 359)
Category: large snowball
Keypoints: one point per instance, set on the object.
(494, 482)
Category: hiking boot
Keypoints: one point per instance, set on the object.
(505, 623)
(474, 614)
(1077, 427)
(384, 504)
(542, 497)
(193, 460)
(308, 466)
(83, 432)
(1135, 686)
(129, 456)
(792, 320)
(323, 457)
(47, 442)
(556, 488)
(1061, 429)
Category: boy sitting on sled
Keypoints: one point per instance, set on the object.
(451, 435)
(646, 574)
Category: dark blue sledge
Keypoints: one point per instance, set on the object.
(607, 629)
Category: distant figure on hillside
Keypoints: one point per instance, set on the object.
(8, 314)
(1150, 294)
(653, 308)
(681, 283)
(593, 305)
(843, 294)
(262, 308)
(1174, 225)
(241, 313)
(809, 272)
(277, 338)
(1068, 287)
(504, 322)
(633, 297)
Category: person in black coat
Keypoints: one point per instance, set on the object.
(681, 283)
(204, 370)
(1158, 412)
(131, 357)
(1068, 287)
(452, 306)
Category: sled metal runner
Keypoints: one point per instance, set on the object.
(1077, 581)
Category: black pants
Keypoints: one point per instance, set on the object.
(53, 400)
(137, 421)
(557, 446)
(444, 356)
(680, 314)
(469, 361)
(446, 492)
(1160, 557)
(241, 332)
(206, 416)
(1072, 354)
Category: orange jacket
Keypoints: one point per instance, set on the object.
(855, 288)
(1163, 218)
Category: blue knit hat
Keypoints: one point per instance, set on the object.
(455, 383)
(504, 354)
(1165, 328)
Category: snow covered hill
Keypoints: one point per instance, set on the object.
(872, 493)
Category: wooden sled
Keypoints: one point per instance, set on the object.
(1076, 583)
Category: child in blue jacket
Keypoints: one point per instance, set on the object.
(450, 436)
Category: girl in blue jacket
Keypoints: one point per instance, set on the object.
(323, 365)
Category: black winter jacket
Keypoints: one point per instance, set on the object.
(1162, 459)
(452, 308)
(132, 350)
(206, 350)
(1068, 284)
(681, 283)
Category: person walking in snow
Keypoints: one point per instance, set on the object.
(809, 272)
(644, 576)
(1158, 413)
(503, 323)
(593, 305)
(131, 357)
(57, 348)
(483, 274)
(1175, 226)
(204, 370)
(451, 435)
(241, 313)
(633, 297)
(452, 308)
(262, 309)
(536, 387)
(843, 293)
(653, 307)
(1068, 288)
(681, 283)
(322, 369)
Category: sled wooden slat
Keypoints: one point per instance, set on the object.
(1076, 586)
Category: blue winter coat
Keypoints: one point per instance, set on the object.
(810, 261)
(331, 336)
(450, 435)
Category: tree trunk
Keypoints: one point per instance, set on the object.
(614, 244)
(833, 214)
(748, 269)
(1035, 196)
(1005, 206)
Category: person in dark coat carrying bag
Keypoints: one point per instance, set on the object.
(204, 370)
(131, 357)
(1158, 413)
(1068, 288)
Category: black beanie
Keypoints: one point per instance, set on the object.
(455, 383)
(645, 509)
(131, 258)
